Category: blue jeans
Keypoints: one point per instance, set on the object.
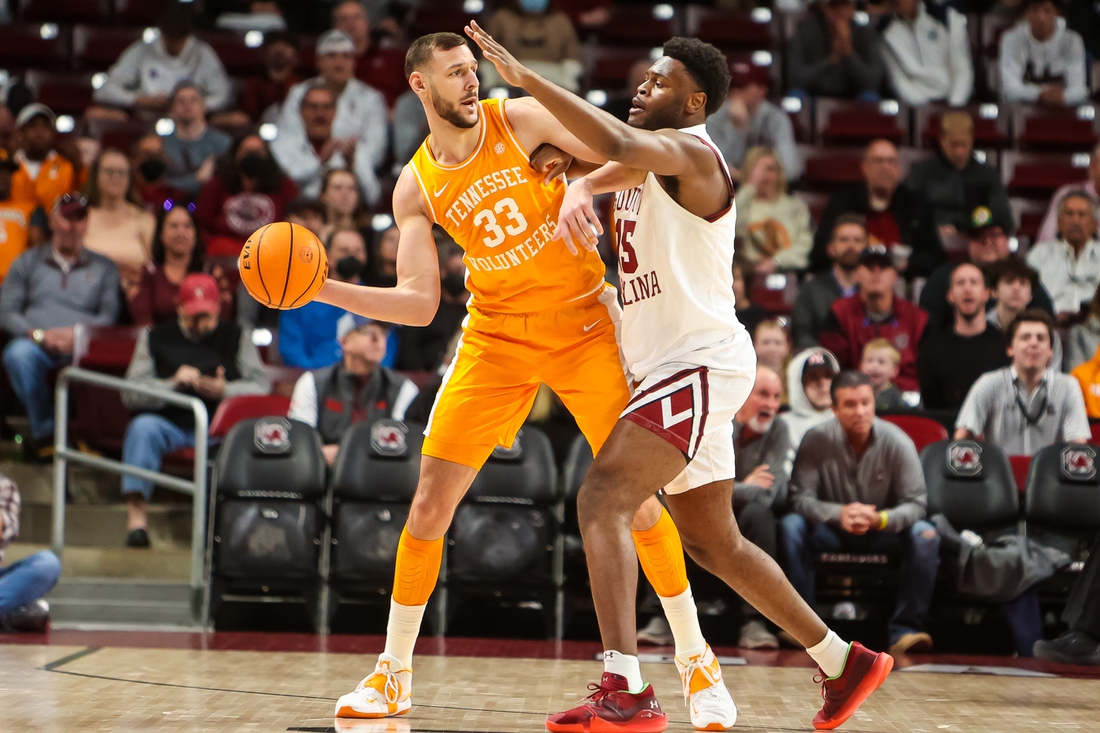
(28, 580)
(920, 559)
(148, 438)
(28, 366)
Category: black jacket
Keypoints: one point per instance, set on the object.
(812, 70)
(954, 193)
(912, 213)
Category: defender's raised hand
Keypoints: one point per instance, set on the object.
(510, 70)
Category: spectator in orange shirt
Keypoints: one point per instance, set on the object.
(15, 218)
(44, 174)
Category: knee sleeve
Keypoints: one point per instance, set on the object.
(662, 557)
(417, 569)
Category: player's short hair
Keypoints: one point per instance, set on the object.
(706, 65)
(1031, 315)
(882, 345)
(420, 51)
(849, 379)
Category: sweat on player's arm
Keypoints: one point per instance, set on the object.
(415, 299)
(663, 152)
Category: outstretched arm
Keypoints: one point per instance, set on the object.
(577, 220)
(665, 152)
(415, 299)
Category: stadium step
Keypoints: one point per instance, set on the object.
(104, 525)
(167, 565)
(91, 601)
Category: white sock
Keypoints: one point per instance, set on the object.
(402, 630)
(830, 654)
(683, 619)
(625, 665)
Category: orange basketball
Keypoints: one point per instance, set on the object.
(283, 265)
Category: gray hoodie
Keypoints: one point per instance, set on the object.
(802, 415)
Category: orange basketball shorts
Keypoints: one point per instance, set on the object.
(502, 359)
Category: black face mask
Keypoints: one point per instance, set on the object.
(152, 169)
(253, 165)
(454, 284)
(349, 268)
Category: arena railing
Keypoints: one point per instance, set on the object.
(196, 487)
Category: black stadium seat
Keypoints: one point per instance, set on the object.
(1062, 500)
(972, 484)
(576, 467)
(268, 515)
(505, 540)
(374, 480)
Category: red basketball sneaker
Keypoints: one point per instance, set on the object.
(611, 709)
(864, 671)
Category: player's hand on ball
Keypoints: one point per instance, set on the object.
(551, 161)
(512, 71)
(577, 220)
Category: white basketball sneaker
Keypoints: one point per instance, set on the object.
(706, 696)
(383, 694)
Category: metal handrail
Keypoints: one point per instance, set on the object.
(196, 487)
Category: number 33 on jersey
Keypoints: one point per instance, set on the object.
(496, 207)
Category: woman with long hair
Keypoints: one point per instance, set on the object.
(247, 191)
(118, 227)
(177, 251)
(340, 195)
(774, 225)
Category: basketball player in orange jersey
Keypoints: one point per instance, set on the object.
(537, 314)
(693, 364)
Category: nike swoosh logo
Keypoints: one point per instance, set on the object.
(590, 327)
(439, 193)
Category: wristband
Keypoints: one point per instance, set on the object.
(883, 520)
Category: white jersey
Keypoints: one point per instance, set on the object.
(676, 279)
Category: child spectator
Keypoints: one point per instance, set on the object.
(809, 378)
(880, 363)
(773, 350)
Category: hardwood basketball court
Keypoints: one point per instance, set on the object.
(142, 681)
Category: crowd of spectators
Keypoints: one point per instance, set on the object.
(146, 233)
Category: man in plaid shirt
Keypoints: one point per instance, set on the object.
(23, 583)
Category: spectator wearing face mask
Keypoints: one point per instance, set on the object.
(356, 388)
(150, 173)
(382, 272)
(422, 349)
(246, 192)
(541, 37)
(308, 335)
(809, 376)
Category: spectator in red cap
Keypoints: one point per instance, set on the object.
(196, 354)
(749, 120)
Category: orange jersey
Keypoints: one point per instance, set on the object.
(15, 219)
(55, 177)
(496, 207)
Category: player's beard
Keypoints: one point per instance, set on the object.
(667, 117)
(450, 112)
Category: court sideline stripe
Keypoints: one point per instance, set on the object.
(53, 667)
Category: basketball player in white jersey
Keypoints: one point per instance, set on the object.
(693, 364)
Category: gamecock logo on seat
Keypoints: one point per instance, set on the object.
(272, 436)
(1079, 462)
(388, 438)
(964, 458)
